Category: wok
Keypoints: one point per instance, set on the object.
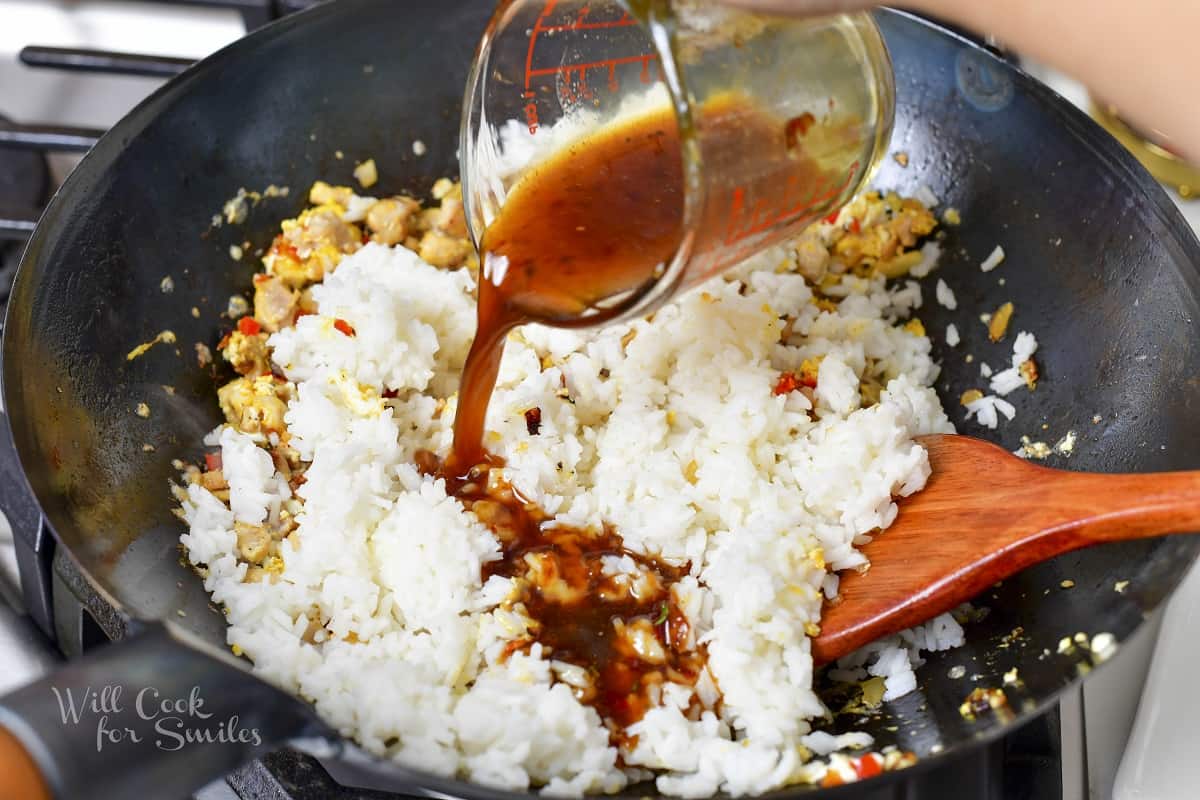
(1099, 264)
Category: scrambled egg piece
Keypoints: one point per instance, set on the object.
(874, 234)
(255, 405)
(312, 245)
(248, 353)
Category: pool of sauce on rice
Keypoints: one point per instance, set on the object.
(627, 640)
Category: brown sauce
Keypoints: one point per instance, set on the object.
(588, 224)
(577, 610)
(564, 242)
(605, 215)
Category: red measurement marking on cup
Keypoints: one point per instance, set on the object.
(769, 212)
(579, 25)
(570, 92)
(611, 63)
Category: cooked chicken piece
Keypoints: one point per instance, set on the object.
(640, 637)
(322, 193)
(390, 221)
(258, 575)
(812, 256)
(312, 245)
(214, 480)
(286, 525)
(430, 217)
(450, 218)
(248, 354)
(253, 542)
(306, 304)
(274, 303)
(254, 405)
(325, 227)
(441, 250)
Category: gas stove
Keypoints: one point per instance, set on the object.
(78, 66)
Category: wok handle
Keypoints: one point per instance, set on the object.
(146, 717)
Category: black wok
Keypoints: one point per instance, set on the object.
(1100, 265)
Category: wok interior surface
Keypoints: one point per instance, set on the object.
(1099, 265)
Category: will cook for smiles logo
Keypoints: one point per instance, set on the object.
(148, 716)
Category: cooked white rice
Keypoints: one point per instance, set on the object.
(945, 295)
(988, 409)
(993, 260)
(408, 650)
(1008, 380)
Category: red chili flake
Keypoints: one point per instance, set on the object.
(533, 421)
(221, 345)
(855, 226)
(249, 326)
(798, 127)
(212, 462)
(832, 218)
(788, 382)
(868, 766)
(282, 247)
(343, 327)
(260, 278)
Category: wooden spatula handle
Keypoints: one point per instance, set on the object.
(983, 516)
(19, 774)
(1110, 508)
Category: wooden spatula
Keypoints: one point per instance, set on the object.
(984, 515)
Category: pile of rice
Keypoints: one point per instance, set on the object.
(668, 430)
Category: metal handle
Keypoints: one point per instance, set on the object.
(17, 224)
(107, 61)
(48, 137)
(148, 717)
(32, 541)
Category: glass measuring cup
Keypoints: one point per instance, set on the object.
(779, 121)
